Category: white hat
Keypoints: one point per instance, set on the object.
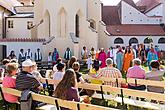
(27, 63)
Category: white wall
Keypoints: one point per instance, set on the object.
(157, 11)
(20, 28)
(130, 15)
(16, 46)
(139, 38)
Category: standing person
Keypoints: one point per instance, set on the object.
(92, 53)
(102, 58)
(21, 56)
(12, 55)
(135, 51)
(152, 55)
(60, 73)
(109, 72)
(97, 54)
(50, 59)
(119, 59)
(55, 55)
(111, 53)
(67, 54)
(84, 53)
(108, 53)
(136, 72)
(28, 54)
(38, 56)
(89, 62)
(128, 57)
(155, 74)
(142, 54)
(9, 81)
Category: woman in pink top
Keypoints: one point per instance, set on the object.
(9, 82)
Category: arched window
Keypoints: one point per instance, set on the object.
(118, 41)
(161, 41)
(77, 25)
(133, 41)
(148, 40)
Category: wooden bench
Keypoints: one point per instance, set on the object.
(129, 80)
(56, 102)
(122, 92)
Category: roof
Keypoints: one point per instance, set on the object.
(149, 4)
(130, 2)
(110, 15)
(135, 30)
(9, 4)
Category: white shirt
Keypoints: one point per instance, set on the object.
(58, 76)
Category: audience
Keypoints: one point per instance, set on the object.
(71, 61)
(76, 67)
(136, 72)
(31, 82)
(60, 72)
(109, 72)
(67, 88)
(156, 75)
(9, 81)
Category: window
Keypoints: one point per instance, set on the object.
(148, 40)
(77, 25)
(161, 41)
(92, 24)
(29, 24)
(118, 41)
(133, 41)
(10, 24)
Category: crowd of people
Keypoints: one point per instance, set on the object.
(99, 63)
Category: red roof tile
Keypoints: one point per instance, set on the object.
(110, 15)
(135, 30)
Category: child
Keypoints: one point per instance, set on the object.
(9, 81)
(89, 62)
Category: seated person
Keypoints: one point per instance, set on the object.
(3, 68)
(94, 70)
(156, 75)
(35, 72)
(68, 87)
(31, 82)
(136, 72)
(60, 73)
(9, 81)
(76, 67)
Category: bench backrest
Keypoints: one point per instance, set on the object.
(62, 103)
(130, 80)
(116, 90)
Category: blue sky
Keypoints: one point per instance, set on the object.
(113, 2)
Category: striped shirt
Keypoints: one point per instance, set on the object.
(25, 80)
(109, 72)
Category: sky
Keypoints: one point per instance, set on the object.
(113, 2)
